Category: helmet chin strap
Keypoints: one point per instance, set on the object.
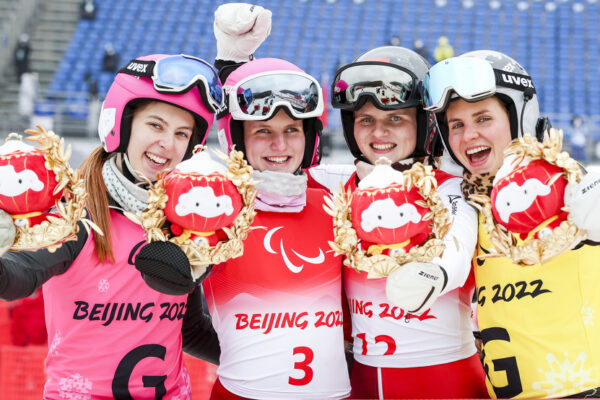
(527, 95)
(446, 146)
(128, 171)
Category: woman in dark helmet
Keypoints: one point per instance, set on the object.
(542, 342)
(108, 335)
(429, 353)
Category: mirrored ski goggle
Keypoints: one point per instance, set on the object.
(258, 96)
(180, 73)
(471, 78)
(391, 86)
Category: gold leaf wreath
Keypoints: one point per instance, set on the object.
(560, 239)
(200, 253)
(54, 231)
(346, 241)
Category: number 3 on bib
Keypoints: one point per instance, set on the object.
(303, 365)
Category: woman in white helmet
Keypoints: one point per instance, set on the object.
(541, 342)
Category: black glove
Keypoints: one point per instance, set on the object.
(164, 267)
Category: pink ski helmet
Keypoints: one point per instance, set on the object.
(183, 81)
(258, 89)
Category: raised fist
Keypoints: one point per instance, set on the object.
(240, 29)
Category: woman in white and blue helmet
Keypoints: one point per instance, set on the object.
(540, 342)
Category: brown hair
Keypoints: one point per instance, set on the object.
(97, 202)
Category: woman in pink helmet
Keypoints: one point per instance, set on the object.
(277, 309)
(109, 334)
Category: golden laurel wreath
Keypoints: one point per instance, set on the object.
(346, 241)
(54, 231)
(201, 254)
(562, 238)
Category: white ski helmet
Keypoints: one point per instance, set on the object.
(458, 77)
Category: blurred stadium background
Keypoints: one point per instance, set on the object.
(557, 41)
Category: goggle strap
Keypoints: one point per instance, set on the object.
(512, 80)
(225, 68)
(140, 68)
(223, 112)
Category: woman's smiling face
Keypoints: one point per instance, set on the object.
(276, 144)
(391, 134)
(160, 134)
(478, 133)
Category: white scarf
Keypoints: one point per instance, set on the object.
(128, 195)
(277, 191)
(280, 191)
(363, 169)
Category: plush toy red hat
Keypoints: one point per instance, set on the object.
(528, 200)
(393, 218)
(388, 214)
(27, 186)
(526, 215)
(210, 207)
(201, 199)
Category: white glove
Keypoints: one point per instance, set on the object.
(7, 232)
(415, 286)
(583, 200)
(240, 29)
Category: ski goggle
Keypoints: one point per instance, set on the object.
(180, 73)
(257, 97)
(472, 79)
(391, 86)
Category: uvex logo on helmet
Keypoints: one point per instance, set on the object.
(138, 66)
(514, 81)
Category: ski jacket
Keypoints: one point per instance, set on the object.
(109, 334)
(278, 309)
(538, 323)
